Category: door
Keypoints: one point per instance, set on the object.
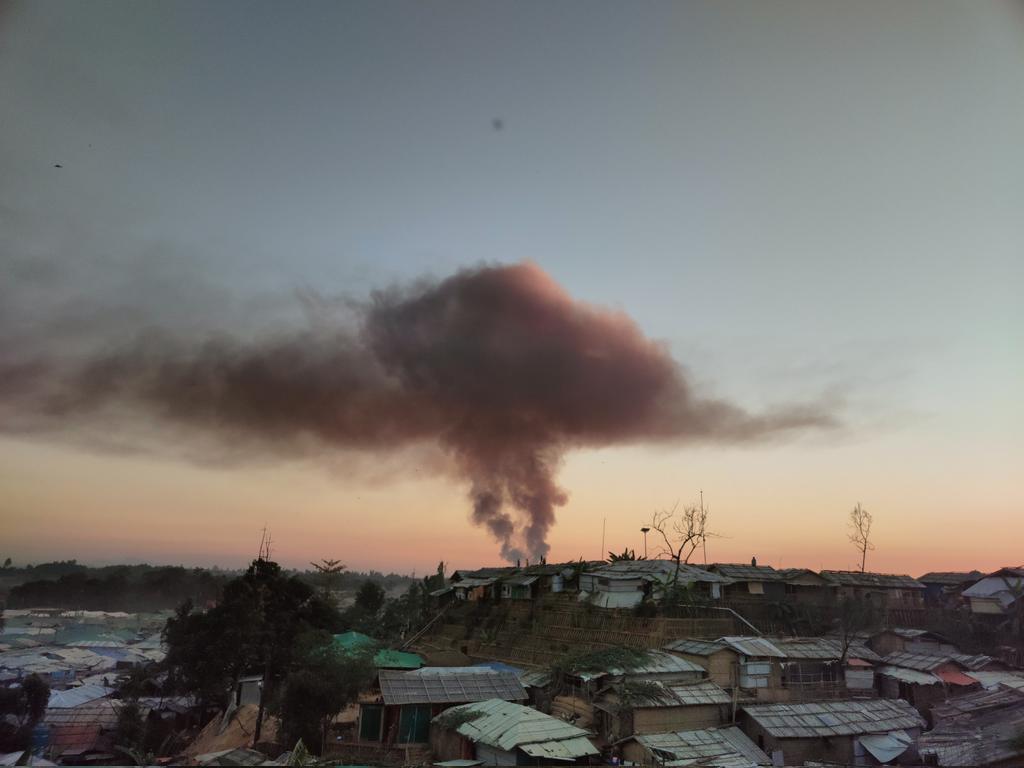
(370, 718)
(414, 724)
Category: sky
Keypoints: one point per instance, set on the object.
(805, 202)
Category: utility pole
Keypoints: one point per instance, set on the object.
(604, 525)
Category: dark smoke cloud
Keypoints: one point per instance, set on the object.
(497, 365)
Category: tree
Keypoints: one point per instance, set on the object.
(252, 629)
(130, 731)
(854, 617)
(370, 598)
(20, 709)
(681, 533)
(36, 694)
(860, 532)
(626, 555)
(329, 569)
(325, 681)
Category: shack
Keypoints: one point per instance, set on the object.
(998, 593)
(899, 639)
(627, 583)
(499, 732)
(652, 707)
(923, 680)
(717, 657)
(944, 588)
(813, 667)
(848, 732)
(883, 589)
(980, 729)
(407, 701)
(727, 745)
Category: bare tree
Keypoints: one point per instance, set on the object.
(681, 532)
(860, 532)
(329, 569)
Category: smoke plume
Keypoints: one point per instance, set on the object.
(499, 366)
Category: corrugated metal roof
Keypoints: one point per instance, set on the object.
(484, 573)
(472, 583)
(950, 578)
(834, 718)
(663, 695)
(864, 579)
(696, 647)
(971, 746)
(788, 574)
(507, 726)
(978, 703)
(654, 662)
(523, 580)
(752, 646)
(911, 676)
(729, 741)
(976, 729)
(449, 685)
(922, 662)
(740, 572)
(535, 678)
(977, 661)
(564, 749)
(822, 649)
(993, 680)
(655, 570)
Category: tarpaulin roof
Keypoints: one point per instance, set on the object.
(72, 697)
(888, 746)
(385, 658)
(956, 677)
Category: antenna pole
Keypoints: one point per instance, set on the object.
(604, 524)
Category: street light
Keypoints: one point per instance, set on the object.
(644, 531)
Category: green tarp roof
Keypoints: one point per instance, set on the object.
(384, 658)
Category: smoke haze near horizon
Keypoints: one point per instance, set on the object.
(497, 365)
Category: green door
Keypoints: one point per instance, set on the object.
(369, 722)
(414, 724)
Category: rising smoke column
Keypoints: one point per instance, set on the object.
(497, 365)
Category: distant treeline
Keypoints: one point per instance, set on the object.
(69, 584)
